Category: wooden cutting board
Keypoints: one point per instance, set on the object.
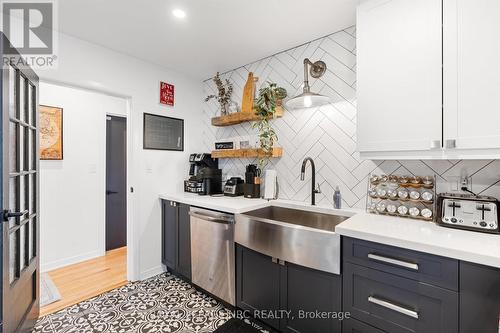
(249, 94)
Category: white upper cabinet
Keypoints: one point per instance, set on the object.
(429, 79)
(471, 31)
(399, 84)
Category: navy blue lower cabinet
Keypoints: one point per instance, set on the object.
(355, 326)
(176, 238)
(304, 300)
(313, 299)
(169, 232)
(479, 298)
(398, 305)
(257, 285)
(184, 242)
(424, 267)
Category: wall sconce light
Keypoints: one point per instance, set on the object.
(309, 99)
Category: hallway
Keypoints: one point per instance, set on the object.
(87, 279)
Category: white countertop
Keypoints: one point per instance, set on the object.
(428, 237)
(410, 234)
(236, 205)
(232, 205)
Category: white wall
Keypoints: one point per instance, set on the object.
(152, 172)
(72, 191)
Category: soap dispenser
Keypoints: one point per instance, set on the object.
(337, 198)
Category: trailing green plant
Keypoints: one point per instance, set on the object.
(225, 92)
(265, 108)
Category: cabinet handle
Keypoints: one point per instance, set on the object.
(394, 307)
(451, 144)
(224, 219)
(274, 260)
(281, 262)
(436, 144)
(405, 264)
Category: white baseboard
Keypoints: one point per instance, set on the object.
(49, 266)
(152, 272)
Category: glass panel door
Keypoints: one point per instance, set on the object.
(19, 202)
(20, 165)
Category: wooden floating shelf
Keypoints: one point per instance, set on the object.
(241, 153)
(241, 117)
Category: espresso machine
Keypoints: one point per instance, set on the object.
(205, 177)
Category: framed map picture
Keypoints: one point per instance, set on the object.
(51, 133)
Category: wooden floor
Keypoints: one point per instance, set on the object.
(87, 279)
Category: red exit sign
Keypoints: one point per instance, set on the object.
(166, 93)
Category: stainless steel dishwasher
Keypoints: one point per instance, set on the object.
(212, 252)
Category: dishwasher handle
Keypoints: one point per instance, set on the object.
(224, 219)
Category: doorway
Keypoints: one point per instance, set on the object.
(116, 182)
(75, 261)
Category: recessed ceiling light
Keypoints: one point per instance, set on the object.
(179, 13)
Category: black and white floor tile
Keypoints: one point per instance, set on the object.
(163, 303)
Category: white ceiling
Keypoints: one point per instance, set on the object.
(216, 35)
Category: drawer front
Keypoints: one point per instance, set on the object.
(435, 270)
(396, 304)
(354, 326)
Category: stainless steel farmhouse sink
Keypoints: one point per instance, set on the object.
(298, 236)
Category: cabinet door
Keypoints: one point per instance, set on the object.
(184, 242)
(306, 293)
(399, 76)
(354, 326)
(169, 234)
(398, 305)
(472, 73)
(479, 298)
(257, 283)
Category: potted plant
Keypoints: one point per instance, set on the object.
(265, 105)
(225, 91)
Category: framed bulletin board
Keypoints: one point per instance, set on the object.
(163, 133)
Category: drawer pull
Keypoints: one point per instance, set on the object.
(394, 307)
(405, 264)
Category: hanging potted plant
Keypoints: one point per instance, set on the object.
(265, 105)
(225, 91)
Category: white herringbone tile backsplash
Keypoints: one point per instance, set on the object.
(328, 134)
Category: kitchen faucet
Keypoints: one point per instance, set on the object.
(314, 191)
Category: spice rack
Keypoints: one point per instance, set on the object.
(402, 196)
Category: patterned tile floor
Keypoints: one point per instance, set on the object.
(163, 303)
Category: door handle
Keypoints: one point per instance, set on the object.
(393, 307)
(451, 144)
(435, 144)
(111, 192)
(393, 261)
(7, 214)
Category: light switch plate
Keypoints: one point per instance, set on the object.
(92, 168)
(453, 183)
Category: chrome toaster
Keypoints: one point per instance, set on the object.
(470, 212)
